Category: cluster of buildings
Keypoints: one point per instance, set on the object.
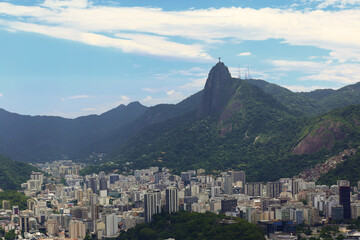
(67, 205)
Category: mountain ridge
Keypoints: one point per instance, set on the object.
(46, 138)
(253, 131)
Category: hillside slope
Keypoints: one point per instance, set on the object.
(13, 174)
(252, 131)
(311, 103)
(44, 138)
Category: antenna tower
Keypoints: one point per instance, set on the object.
(249, 72)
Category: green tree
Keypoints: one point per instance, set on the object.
(147, 234)
(10, 235)
(340, 237)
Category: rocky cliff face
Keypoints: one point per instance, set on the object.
(324, 136)
(216, 93)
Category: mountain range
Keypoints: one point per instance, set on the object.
(260, 127)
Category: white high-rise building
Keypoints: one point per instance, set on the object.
(150, 205)
(37, 176)
(172, 200)
(111, 225)
(228, 185)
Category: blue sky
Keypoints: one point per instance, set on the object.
(78, 57)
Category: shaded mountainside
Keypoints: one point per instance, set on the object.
(311, 103)
(248, 124)
(13, 174)
(219, 88)
(262, 149)
(253, 131)
(151, 116)
(186, 225)
(44, 138)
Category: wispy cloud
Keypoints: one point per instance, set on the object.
(245, 70)
(104, 107)
(55, 4)
(194, 71)
(343, 73)
(123, 97)
(334, 3)
(194, 84)
(171, 96)
(152, 31)
(147, 99)
(171, 92)
(245, 54)
(1, 95)
(299, 88)
(89, 109)
(150, 90)
(79, 97)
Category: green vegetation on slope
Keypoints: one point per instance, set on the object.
(348, 119)
(258, 138)
(349, 170)
(13, 173)
(311, 103)
(254, 133)
(186, 225)
(15, 198)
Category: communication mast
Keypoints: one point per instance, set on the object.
(249, 76)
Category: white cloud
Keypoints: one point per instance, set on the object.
(79, 97)
(89, 109)
(123, 97)
(1, 95)
(247, 70)
(171, 97)
(54, 4)
(104, 107)
(299, 88)
(194, 84)
(161, 46)
(343, 73)
(194, 71)
(313, 57)
(245, 54)
(152, 30)
(335, 3)
(147, 99)
(150, 90)
(171, 92)
(129, 43)
(63, 114)
(307, 66)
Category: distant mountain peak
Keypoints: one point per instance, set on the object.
(218, 74)
(215, 96)
(135, 104)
